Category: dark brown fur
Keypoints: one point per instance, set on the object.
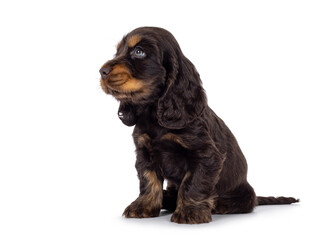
(177, 136)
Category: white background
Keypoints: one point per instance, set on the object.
(67, 162)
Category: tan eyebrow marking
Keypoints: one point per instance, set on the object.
(132, 41)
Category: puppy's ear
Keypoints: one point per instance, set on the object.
(184, 98)
(127, 114)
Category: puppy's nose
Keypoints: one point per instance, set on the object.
(104, 71)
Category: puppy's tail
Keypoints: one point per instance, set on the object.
(276, 200)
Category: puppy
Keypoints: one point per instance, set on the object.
(176, 134)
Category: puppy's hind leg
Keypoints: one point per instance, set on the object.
(240, 200)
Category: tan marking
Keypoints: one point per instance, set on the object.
(144, 141)
(127, 83)
(126, 86)
(209, 202)
(132, 85)
(154, 189)
(174, 138)
(119, 68)
(132, 41)
(147, 204)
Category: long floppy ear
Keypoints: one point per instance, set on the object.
(184, 99)
(127, 113)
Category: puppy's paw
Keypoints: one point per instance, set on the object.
(140, 210)
(191, 216)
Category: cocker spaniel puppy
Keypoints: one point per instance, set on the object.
(177, 136)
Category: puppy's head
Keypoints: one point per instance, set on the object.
(136, 73)
(149, 67)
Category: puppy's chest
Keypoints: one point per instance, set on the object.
(166, 150)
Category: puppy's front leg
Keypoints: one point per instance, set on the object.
(149, 202)
(196, 195)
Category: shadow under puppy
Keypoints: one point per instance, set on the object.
(177, 136)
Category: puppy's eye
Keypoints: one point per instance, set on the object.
(138, 53)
